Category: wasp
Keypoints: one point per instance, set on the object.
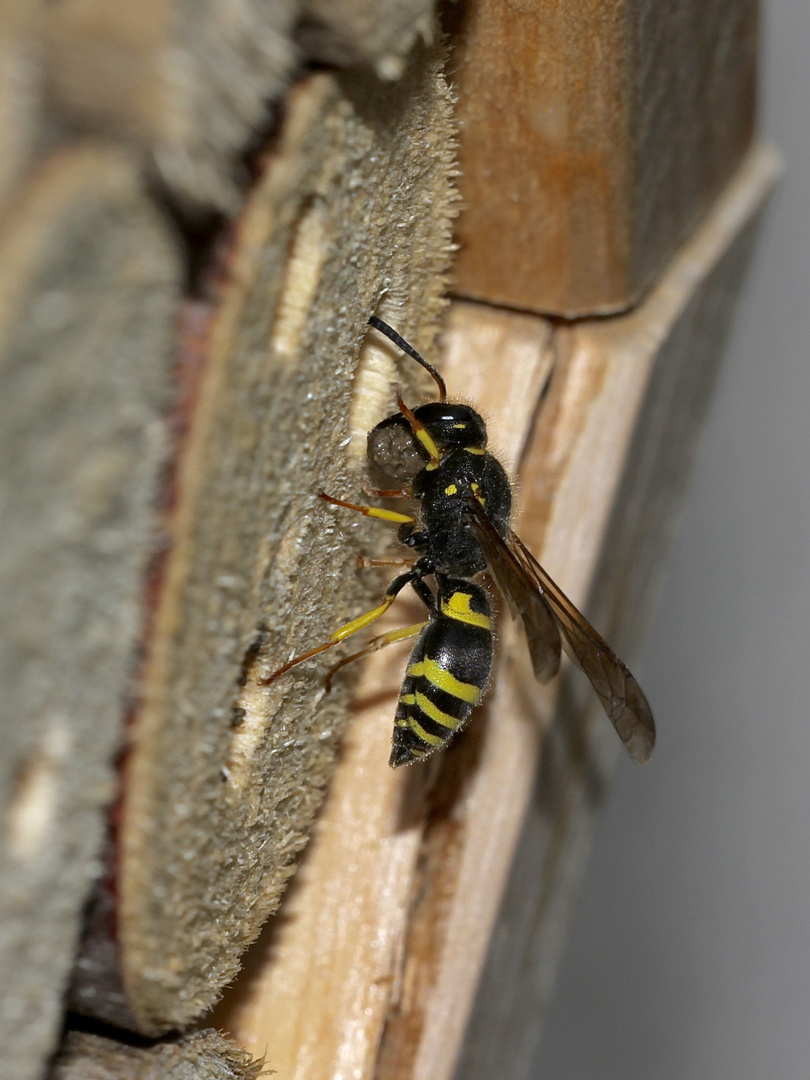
(459, 528)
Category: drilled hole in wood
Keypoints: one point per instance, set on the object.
(302, 273)
(373, 392)
(33, 806)
(250, 714)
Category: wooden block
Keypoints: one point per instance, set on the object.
(198, 85)
(594, 137)
(373, 968)
(191, 83)
(89, 278)
(352, 214)
(204, 1054)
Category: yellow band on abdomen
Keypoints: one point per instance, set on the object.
(445, 680)
(458, 607)
(435, 713)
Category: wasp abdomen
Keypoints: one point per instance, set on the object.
(447, 672)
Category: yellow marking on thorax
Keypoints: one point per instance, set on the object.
(475, 450)
(458, 607)
(451, 490)
(475, 488)
(435, 713)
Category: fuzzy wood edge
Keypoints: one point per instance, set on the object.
(203, 1055)
(224, 776)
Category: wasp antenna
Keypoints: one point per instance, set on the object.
(392, 335)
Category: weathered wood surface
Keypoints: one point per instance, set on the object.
(224, 775)
(373, 968)
(191, 82)
(594, 136)
(350, 211)
(89, 279)
(20, 104)
(204, 1055)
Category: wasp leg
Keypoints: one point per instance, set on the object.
(412, 577)
(387, 493)
(363, 563)
(369, 511)
(376, 643)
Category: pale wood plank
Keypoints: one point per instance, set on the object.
(661, 358)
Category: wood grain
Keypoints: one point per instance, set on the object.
(21, 106)
(673, 343)
(187, 83)
(594, 137)
(319, 982)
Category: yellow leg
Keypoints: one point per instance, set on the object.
(369, 511)
(339, 635)
(376, 643)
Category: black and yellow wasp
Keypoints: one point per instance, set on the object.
(461, 527)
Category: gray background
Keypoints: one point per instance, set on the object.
(688, 955)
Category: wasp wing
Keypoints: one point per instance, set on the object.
(520, 590)
(622, 698)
